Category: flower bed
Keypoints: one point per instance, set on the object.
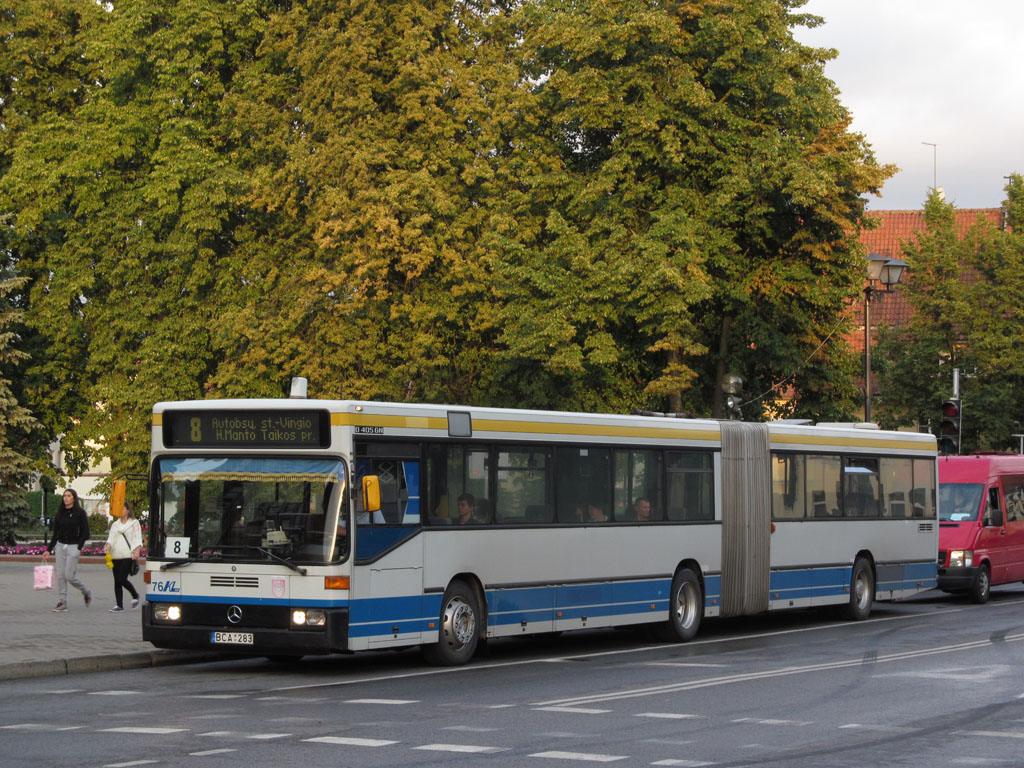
(38, 549)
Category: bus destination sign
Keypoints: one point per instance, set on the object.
(247, 429)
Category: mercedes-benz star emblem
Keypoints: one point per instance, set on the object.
(234, 614)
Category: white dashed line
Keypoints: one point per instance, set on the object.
(208, 752)
(133, 762)
(668, 715)
(684, 763)
(994, 734)
(465, 748)
(351, 742)
(151, 731)
(576, 710)
(579, 756)
(381, 701)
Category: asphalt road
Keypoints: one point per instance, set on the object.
(934, 681)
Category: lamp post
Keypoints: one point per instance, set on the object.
(887, 272)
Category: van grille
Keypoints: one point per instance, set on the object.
(235, 582)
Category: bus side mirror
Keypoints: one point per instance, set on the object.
(371, 493)
(117, 491)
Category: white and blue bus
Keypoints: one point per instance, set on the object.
(292, 527)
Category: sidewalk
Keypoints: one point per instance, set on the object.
(35, 642)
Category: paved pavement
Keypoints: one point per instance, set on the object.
(35, 642)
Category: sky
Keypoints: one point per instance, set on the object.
(946, 72)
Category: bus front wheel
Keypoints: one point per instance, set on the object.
(459, 628)
(862, 592)
(685, 608)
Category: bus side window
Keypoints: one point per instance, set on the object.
(993, 514)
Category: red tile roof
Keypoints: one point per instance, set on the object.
(896, 228)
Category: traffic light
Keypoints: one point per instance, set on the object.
(949, 427)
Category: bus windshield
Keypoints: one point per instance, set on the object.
(250, 509)
(959, 502)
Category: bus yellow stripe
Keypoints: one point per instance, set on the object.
(859, 442)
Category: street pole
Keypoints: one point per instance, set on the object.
(867, 354)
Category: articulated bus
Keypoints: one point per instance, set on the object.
(292, 527)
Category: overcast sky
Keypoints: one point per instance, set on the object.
(946, 72)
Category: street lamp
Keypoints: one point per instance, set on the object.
(888, 272)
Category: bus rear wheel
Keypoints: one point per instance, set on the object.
(458, 630)
(862, 592)
(685, 608)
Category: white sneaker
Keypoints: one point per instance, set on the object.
(135, 603)
(116, 609)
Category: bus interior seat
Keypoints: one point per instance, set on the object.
(538, 513)
(897, 504)
(484, 513)
(818, 504)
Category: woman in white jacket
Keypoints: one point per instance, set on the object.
(124, 543)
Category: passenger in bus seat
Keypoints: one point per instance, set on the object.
(596, 513)
(642, 510)
(467, 510)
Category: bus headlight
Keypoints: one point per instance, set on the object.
(168, 612)
(311, 617)
(961, 558)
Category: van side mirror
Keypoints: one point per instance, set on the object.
(371, 493)
(993, 514)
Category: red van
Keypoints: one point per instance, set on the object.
(981, 523)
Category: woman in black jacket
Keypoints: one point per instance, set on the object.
(70, 532)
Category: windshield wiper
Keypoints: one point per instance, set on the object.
(175, 564)
(272, 556)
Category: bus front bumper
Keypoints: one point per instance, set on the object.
(248, 639)
(957, 579)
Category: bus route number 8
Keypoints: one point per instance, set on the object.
(197, 430)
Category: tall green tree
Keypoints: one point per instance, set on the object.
(965, 291)
(690, 205)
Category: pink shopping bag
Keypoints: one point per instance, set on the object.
(43, 577)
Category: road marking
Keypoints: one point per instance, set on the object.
(267, 736)
(208, 752)
(133, 762)
(668, 715)
(889, 728)
(618, 652)
(466, 748)
(149, 730)
(772, 721)
(743, 677)
(381, 701)
(576, 710)
(584, 756)
(469, 729)
(995, 734)
(114, 693)
(216, 696)
(685, 763)
(351, 742)
(679, 664)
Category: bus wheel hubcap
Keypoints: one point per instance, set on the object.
(459, 623)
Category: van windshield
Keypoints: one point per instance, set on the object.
(959, 502)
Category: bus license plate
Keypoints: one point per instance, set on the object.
(231, 638)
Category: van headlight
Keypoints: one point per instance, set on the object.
(961, 558)
(167, 612)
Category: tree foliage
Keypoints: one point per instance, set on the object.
(548, 203)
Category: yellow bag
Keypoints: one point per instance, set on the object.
(110, 560)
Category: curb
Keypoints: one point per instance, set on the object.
(104, 663)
